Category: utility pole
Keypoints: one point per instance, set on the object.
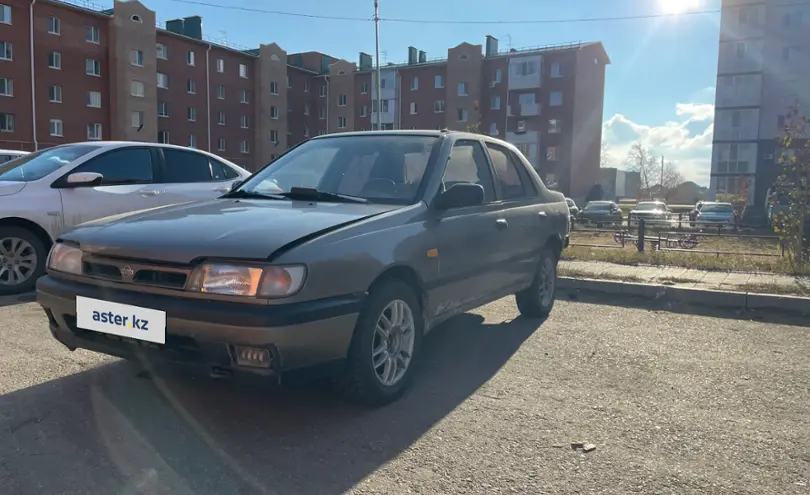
(377, 60)
(662, 176)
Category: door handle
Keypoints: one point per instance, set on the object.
(149, 192)
(501, 223)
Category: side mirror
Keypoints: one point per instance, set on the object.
(236, 184)
(84, 179)
(461, 195)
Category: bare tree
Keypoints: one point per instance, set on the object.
(605, 160)
(653, 172)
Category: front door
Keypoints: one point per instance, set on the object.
(127, 185)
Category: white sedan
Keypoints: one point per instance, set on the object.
(45, 193)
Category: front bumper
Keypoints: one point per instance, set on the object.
(206, 333)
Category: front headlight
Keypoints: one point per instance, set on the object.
(241, 280)
(66, 259)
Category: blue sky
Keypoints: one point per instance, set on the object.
(660, 86)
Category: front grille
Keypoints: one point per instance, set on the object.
(134, 272)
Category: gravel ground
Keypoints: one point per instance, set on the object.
(673, 403)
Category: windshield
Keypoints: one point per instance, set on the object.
(37, 165)
(650, 206)
(716, 209)
(597, 206)
(379, 168)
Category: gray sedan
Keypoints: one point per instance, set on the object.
(342, 254)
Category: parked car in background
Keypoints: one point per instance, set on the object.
(573, 209)
(45, 193)
(714, 215)
(6, 155)
(399, 231)
(693, 213)
(653, 212)
(600, 213)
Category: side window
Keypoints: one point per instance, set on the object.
(185, 166)
(221, 171)
(468, 163)
(122, 166)
(506, 172)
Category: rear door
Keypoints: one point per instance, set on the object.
(187, 175)
(127, 185)
(518, 199)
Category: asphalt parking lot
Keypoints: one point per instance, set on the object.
(673, 403)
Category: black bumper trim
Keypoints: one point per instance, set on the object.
(220, 312)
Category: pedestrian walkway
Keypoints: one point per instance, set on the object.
(687, 277)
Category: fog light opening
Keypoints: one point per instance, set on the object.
(252, 356)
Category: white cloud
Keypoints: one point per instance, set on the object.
(686, 140)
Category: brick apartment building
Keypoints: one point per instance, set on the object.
(112, 74)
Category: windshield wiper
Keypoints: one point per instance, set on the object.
(310, 194)
(252, 195)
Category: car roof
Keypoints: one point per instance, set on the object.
(125, 144)
(716, 203)
(13, 152)
(416, 132)
(650, 202)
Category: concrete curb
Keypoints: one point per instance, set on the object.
(702, 297)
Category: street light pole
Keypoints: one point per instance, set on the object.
(377, 59)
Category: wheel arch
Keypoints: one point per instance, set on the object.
(409, 276)
(33, 227)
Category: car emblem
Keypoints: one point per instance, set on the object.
(127, 272)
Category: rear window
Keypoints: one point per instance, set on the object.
(597, 206)
(716, 209)
(37, 165)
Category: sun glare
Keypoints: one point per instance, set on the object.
(678, 6)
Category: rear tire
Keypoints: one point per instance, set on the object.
(371, 355)
(537, 301)
(22, 260)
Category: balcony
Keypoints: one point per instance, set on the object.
(529, 109)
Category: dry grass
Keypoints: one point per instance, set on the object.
(574, 273)
(783, 290)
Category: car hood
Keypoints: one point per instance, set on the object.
(7, 188)
(220, 228)
(648, 213)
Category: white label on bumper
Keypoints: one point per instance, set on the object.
(121, 319)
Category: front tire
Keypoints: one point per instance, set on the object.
(385, 346)
(537, 301)
(22, 260)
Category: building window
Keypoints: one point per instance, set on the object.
(306, 131)
(462, 89)
(322, 90)
(221, 144)
(162, 80)
(289, 83)
(136, 58)
(790, 53)
(243, 96)
(137, 119)
(461, 114)
(220, 65)
(496, 102)
(163, 109)
(364, 110)
(551, 153)
(306, 86)
(273, 88)
(438, 106)
(92, 34)
(289, 128)
(413, 108)
(192, 141)
(342, 100)
(498, 76)
(363, 88)
(321, 132)
(55, 60)
(190, 58)
(55, 128)
(243, 71)
(6, 122)
(556, 70)
(93, 99)
(92, 67)
(322, 113)
(289, 106)
(55, 94)
(221, 118)
(192, 114)
(554, 126)
(438, 81)
(93, 132)
(274, 137)
(191, 87)
(163, 137)
(274, 113)
(493, 129)
(243, 122)
(162, 51)
(136, 88)
(739, 49)
(306, 108)
(384, 106)
(6, 87)
(54, 25)
(341, 122)
(243, 147)
(5, 14)
(220, 92)
(414, 83)
(526, 68)
(5, 51)
(555, 98)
